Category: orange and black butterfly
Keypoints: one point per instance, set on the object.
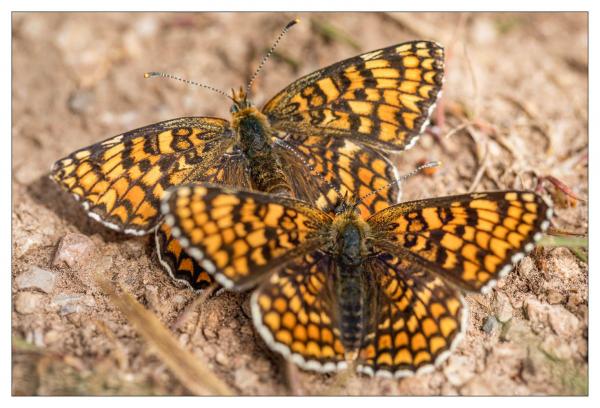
(382, 292)
(336, 122)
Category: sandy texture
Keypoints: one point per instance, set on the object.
(515, 102)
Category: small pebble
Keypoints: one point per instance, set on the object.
(502, 307)
(490, 325)
(74, 250)
(459, 370)
(536, 311)
(27, 302)
(80, 101)
(151, 295)
(245, 378)
(72, 303)
(222, 358)
(178, 300)
(516, 330)
(36, 278)
(555, 297)
(184, 339)
(563, 322)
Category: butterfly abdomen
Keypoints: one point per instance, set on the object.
(350, 296)
(351, 287)
(255, 140)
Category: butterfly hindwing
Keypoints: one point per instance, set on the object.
(294, 313)
(382, 98)
(238, 235)
(120, 181)
(472, 239)
(231, 171)
(417, 321)
(178, 264)
(347, 167)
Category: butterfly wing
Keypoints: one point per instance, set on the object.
(178, 264)
(238, 236)
(471, 239)
(418, 319)
(120, 181)
(348, 167)
(231, 171)
(294, 313)
(381, 99)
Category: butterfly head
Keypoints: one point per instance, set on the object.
(346, 205)
(240, 101)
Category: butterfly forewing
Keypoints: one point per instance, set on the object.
(471, 239)
(237, 236)
(120, 181)
(382, 98)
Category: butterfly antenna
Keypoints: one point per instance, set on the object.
(313, 171)
(187, 81)
(268, 54)
(399, 180)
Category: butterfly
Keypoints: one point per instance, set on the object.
(382, 292)
(338, 122)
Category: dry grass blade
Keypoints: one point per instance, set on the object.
(563, 187)
(578, 245)
(186, 367)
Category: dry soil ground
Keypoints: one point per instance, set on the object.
(514, 111)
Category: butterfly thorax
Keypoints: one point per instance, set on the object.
(352, 285)
(254, 138)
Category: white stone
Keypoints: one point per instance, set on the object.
(36, 278)
(27, 302)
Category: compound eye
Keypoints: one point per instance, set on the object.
(234, 108)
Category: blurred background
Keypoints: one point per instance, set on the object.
(513, 115)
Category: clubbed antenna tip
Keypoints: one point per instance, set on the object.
(292, 23)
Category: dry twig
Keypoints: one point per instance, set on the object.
(188, 369)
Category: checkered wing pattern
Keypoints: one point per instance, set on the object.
(347, 170)
(120, 181)
(471, 239)
(231, 171)
(382, 98)
(294, 312)
(178, 264)
(418, 319)
(237, 236)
